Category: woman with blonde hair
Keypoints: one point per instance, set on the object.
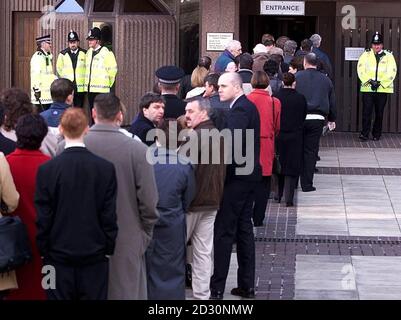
(198, 82)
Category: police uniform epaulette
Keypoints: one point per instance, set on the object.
(39, 53)
(368, 50)
(83, 50)
(65, 51)
(388, 51)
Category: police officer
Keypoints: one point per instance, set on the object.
(377, 70)
(101, 67)
(71, 65)
(169, 84)
(42, 73)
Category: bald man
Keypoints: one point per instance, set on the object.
(234, 221)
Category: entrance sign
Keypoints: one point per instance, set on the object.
(282, 8)
(218, 41)
(353, 54)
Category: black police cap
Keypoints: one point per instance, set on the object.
(94, 34)
(170, 74)
(377, 38)
(73, 36)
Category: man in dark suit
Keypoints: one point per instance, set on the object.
(77, 223)
(234, 220)
(169, 84)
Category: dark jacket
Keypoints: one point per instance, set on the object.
(216, 103)
(209, 177)
(7, 146)
(244, 115)
(326, 66)
(76, 204)
(290, 140)
(246, 75)
(219, 111)
(165, 256)
(318, 91)
(186, 86)
(175, 107)
(221, 63)
(276, 84)
(140, 127)
(53, 115)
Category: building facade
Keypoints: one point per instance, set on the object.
(146, 34)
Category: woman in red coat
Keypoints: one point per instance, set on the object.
(24, 163)
(269, 111)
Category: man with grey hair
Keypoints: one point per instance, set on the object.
(321, 55)
(209, 185)
(233, 50)
(319, 93)
(290, 47)
(234, 220)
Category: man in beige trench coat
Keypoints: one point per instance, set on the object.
(137, 198)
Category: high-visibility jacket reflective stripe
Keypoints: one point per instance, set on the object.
(101, 71)
(385, 71)
(65, 69)
(42, 76)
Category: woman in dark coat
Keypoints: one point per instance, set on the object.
(165, 257)
(290, 140)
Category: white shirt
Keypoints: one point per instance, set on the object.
(74, 145)
(74, 52)
(235, 100)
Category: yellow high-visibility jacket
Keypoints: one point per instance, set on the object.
(42, 76)
(65, 68)
(385, 71)
(101, 71)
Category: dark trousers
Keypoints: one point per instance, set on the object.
(262, 193)
(312, 133)
(91, 99)
(79, 99)
(286, 187)
(234, 224)
(80, 283)
(376, 101)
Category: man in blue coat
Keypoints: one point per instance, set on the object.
(233, 50)
(62, 91)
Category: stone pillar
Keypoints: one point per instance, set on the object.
(218, 16)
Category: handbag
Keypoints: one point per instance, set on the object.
(15, 249)
(276, 158)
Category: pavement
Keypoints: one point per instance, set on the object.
(342, 242)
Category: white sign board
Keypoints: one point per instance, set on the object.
(283, 8)
(218, 41)
(353, 54)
